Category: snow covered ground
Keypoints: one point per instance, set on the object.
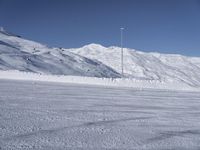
(117, 82)
(44, 115)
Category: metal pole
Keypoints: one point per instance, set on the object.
(122, 55)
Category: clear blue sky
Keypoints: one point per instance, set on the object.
(167, 26)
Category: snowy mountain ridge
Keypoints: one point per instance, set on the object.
(146, 66)
(24, 55)
(95, 60)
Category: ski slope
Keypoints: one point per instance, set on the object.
(49, 116)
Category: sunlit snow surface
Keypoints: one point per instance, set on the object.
(42, 115)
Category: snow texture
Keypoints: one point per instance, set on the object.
(117, 82)
(41, 115)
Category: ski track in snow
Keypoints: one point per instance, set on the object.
(42, 115)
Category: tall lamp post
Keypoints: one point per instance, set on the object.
(122, 55)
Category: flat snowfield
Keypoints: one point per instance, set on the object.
(42, 115)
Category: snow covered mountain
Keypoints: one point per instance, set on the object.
(146, 66)
(95, 60)
(24, 55)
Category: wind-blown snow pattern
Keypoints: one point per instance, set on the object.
(53, 116)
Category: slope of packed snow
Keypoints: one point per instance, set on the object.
(146, 66)
(55, 116)
(109, 82)
(24, 55)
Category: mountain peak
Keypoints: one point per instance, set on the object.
(94, 46)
